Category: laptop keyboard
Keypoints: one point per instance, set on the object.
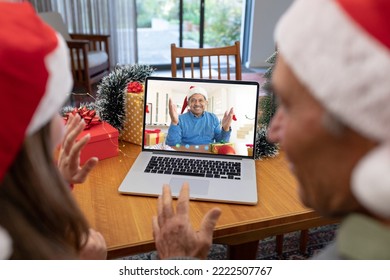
(194, 167)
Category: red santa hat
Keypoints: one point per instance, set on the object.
(340, 50)
(35, 77)
(193, 90)
(196, 90)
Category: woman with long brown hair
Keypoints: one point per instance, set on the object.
(39, 219)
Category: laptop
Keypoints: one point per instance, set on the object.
(217, 171)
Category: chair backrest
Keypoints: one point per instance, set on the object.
(207, 62)
(56, 21)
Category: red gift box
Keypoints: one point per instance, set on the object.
(103, 143)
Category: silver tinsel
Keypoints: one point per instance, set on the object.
(267, 106)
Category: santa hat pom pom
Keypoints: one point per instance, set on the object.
(371, 181)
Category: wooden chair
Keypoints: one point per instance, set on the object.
(90, 56)
(208, 63)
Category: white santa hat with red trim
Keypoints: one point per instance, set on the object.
(35, 77)
(340, 50)
(193, 90)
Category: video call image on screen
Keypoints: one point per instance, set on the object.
(204, 134)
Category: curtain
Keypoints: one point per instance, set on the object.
(114, 17)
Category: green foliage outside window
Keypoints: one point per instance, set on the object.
(222, 18)
(223, 22)
(149, 9)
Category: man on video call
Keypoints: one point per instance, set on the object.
(197, 126)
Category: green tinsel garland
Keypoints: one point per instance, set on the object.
(263, 148)
(111, 94)
(267, 107)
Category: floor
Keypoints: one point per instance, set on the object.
(318, 238)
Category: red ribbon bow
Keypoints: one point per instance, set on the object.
(152, 130)
(134, 87)
(89, 116)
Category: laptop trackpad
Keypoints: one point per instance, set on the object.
(197, 186)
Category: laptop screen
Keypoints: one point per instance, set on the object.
(192, 116)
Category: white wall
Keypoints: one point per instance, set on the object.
(261, 40)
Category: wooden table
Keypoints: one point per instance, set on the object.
(126, 221)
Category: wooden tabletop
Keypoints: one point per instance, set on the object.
(126, 221)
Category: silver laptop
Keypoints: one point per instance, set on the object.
(218, 170)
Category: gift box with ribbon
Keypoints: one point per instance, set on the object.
(250, 149)
(132, 129)
(103, 143)
(104, 138)
(153, 137)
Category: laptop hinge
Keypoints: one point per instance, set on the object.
(214, 156)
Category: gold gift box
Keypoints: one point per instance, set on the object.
(153, 138)
(132, 129)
